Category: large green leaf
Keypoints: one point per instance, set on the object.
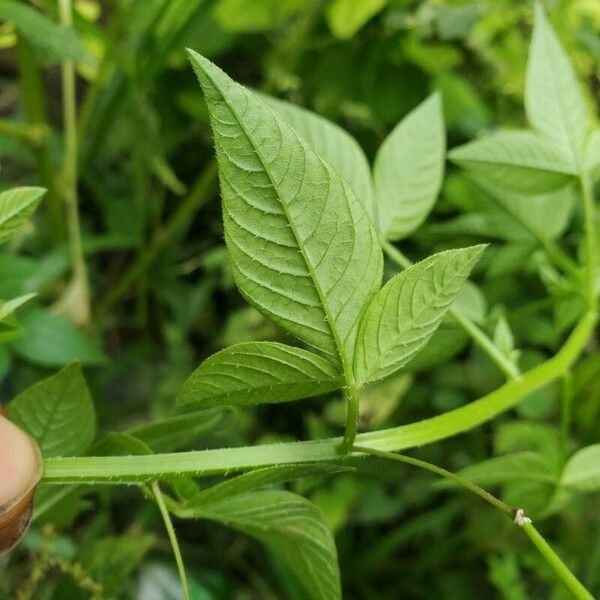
(582, 471)
(54, 43)
(259, 372)
(334, 144)
(405, 313)
(291, 527)
(553, 100)
(302, 246)
(58, 412)
(408, 170)
(519, 161)
(16, 206)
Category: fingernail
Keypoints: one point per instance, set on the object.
(20, 472)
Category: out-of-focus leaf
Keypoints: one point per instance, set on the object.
(346, 17)
(58, 412)
(582, 471)
(408, 170)
(51, 341)
(54, 43)
(519, 161)
(553, 100)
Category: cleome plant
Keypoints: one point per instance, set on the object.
(308, 226)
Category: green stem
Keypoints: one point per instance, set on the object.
(477, 335)
(172, 538)
(125, 469)
(590, 236)
(421, 464)
(558, 566)
(198, 195)
(566, 411)
(80, 276)
(352, 396)
(34, 107)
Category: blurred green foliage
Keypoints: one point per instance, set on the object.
(163, 297)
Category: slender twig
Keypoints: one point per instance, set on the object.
(556, 564)
(508, 367)
(80, 284)
(172, 538)
(421, 464)
(554, 561)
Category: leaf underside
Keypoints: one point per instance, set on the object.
(290, 526)
(302, 246)
(408, 309)
(259, 372)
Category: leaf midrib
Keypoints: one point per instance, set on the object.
(338, 342)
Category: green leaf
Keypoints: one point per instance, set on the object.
(259, 372)
(582, 471)
(302, 247)
(16, 206)
(9, 307)
(346, 17)
(334, 144)
(52, 341)
(409, 169)
(592, 154)
(553, 100)
(291, 527)
(168, 435)
(519, 161)
(258, 15)
(259, 478)
(405, 313)
(53, 42)
(58, 412)
(521, 466)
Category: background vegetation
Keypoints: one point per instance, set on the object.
(162, 297)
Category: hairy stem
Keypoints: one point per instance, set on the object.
(80, 277)
(125, 469)
(476, 333)
(172, 538)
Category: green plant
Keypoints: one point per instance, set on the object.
(307, 225)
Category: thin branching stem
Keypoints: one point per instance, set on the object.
(80, 277)
(561, 570)
(160, 501)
